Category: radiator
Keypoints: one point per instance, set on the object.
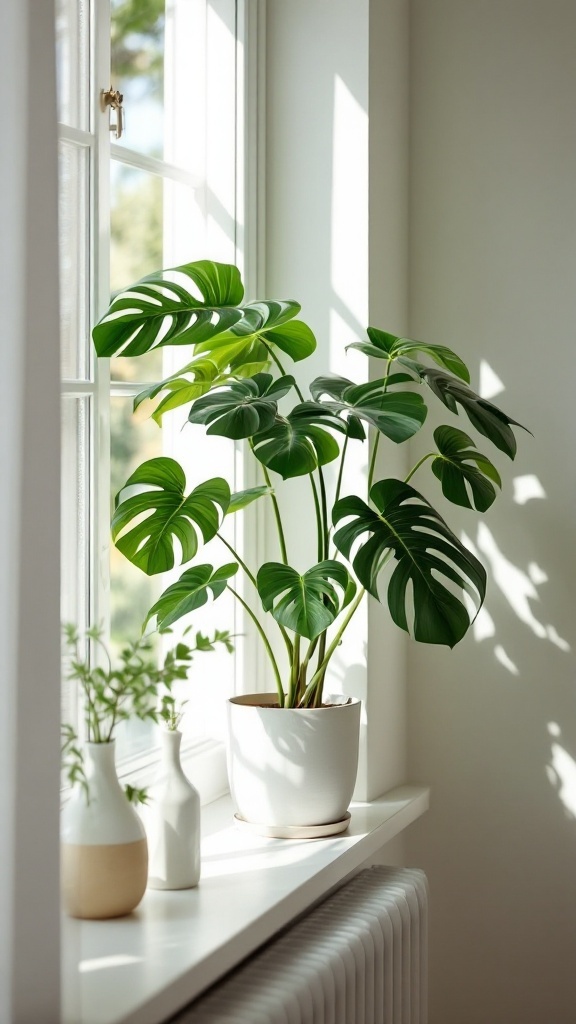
(358, 958)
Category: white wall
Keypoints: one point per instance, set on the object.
(492, 726)
(336, 241)
(29, 521)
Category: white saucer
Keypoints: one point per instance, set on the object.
(333, 828)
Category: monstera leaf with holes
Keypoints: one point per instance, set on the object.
(298, 443)
(429, 557)
(487, 418)
(243, 408)
(169, 515)
(397, 414)
(264, 325)
(467, 476)
(391, 347)
(161, 309)
(190, 592)
(200, 304)
(189, 383)
(306, 604)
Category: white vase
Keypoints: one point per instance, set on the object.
(104, 856)
(172, 819)
(292, 767)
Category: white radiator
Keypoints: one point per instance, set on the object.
(358, 958)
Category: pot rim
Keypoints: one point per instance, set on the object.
(269, 702)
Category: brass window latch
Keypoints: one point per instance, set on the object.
(113, 99)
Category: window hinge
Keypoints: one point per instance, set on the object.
(113, 98)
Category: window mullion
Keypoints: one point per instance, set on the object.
(100, 297)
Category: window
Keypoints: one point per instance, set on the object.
(168, 189)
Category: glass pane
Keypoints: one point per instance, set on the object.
(135, 250)
(137, 59)
(72, 61)
(73, 229)
(74, 526)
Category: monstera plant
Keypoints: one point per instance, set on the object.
(389, 541)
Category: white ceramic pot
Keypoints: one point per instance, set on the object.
(104, 854)
(172, 820)
(292, 767)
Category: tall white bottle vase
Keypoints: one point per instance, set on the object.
(172, 820)
(103, 843)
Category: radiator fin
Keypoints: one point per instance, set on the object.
(358, 958)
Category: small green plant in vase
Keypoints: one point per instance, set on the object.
(389, 540)
(103, 841)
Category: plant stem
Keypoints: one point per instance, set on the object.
(377, 441)
(319, 541)
(319, 674)
(266, 643)
(294, 673)
(341, 470)
(274, 357)
(373, 462)
(254, 582)
(324, 513)
(277, 515)
(431, 455)
(250, 575)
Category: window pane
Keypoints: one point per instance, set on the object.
(135, 250)
(138, 71)
(73, 231)
(74, 525)
(73, 64)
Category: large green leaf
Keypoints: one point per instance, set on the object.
(162, 309)
(241, 499)
(429, 557)
(390, 346)
(243, 408)
(169, 514)
(189, 383)
(263, 324)
(191, 591)
(307, 604)
(461, 464)
(397, 414)
(487, 418)
(297, 443)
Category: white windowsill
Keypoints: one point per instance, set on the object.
(143, 968)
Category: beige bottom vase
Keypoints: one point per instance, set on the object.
(104, 853)
(292, 767)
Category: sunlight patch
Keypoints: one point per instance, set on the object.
(526, 488)
(502, 657)
(514, 583)
(490, 383)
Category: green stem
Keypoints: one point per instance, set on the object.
(277, 517)
(319, 674)
(325, 539)
(431, 455)
(377, 441)
(294, 673)
(341, 470)
(274, 357)
(250, 575)
(266, 643)
(319, 535)
(373, 462)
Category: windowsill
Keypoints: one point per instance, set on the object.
(143, 968)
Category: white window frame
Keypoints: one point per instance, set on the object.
(205, 759)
